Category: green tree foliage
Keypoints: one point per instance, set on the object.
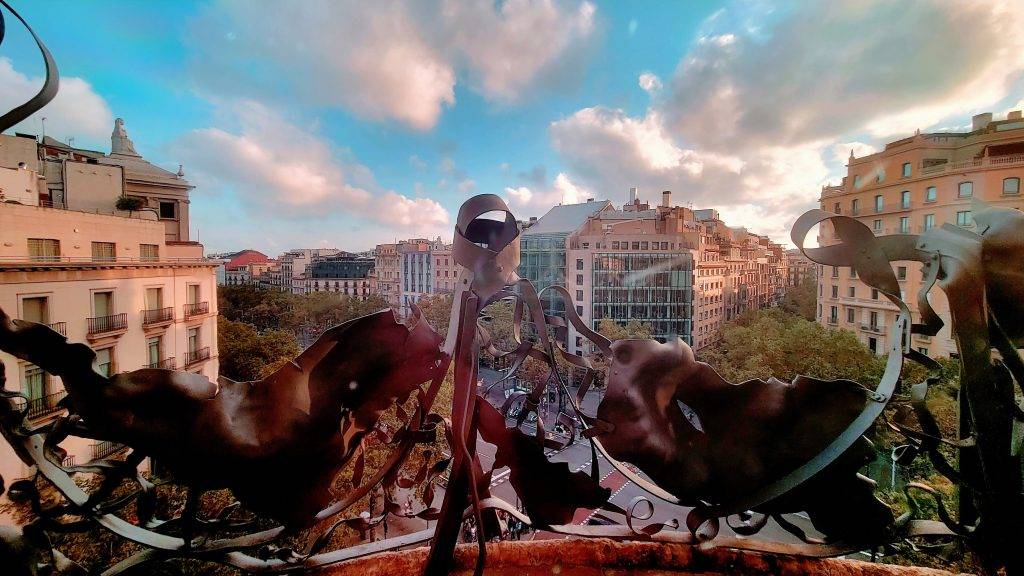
(612, 330)
(246, 354)
(437, 310)
(802, 299)
(275, 310)
(772, 342)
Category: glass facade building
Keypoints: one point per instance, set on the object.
(542, 262)
(656, 289)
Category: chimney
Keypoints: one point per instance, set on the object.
(634, 196)
(1013, 115)
(666, 198)
(980, 121)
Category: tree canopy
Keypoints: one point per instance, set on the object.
(246, 354)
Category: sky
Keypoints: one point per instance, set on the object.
(349, 123)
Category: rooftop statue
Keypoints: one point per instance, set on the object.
(119, 141)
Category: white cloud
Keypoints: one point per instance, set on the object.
(77, 111)
(525, 201)
(393, 60)
(279, 171)
(466, 186)
(828, 68)
(841, 151)
(649, 82)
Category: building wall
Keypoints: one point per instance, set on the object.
(69, 288)
(856, 306)
(387, 269)
(92, 187)
(19, 185)
(17, 149)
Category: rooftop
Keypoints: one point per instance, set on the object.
(566, 218)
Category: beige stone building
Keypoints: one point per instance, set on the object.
(386, 266)
(344, 273)
(129, 284)
(915, 184)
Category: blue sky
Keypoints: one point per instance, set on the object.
(351, 123)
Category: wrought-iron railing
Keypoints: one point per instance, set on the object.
(157, 316)
(44, 405)
(197, 309)
(197, 356)
(105, 448)
(165, 364)
(111, 323)
(60, 328)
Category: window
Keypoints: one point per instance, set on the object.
(102, 304)
(35, 309)
(922, 350)
(965, 190)
(192, 294)
(103, 252)
(874, 320)
(835, 272)
(836, 208)
(579, 279)
(855, 206)
(193, 339)
(149, 252)
(579, 263)
(579, 295)
(904, 225)
(636, 245)
(835, 291)
(615, 245)
(833, 316)
(906, 169)
(35, 383)
(579, 310)
(929, 221)
(153, 352)
(850, 315)
(168, 210)
(963, 218)
(880, 177)
(877, 225)
(853, 272)
(43, 249)
(874, 294)
(856, 182)
(879, 204)
(104, 362)
(929, 194)
(1011, 186)
(873, 344)
(901, 272)
(643, 245)
(852, 291)
(664, 245)
(905, 199)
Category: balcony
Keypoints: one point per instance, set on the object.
(165, 364)
(197, 309)
(60, 328)
(107, 324)
(157, 316)
(194, 357)
(871, 328)
(39, 407)
(106, 448)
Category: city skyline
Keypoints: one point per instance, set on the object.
(747, 108)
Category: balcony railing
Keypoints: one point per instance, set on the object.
(165, 364)
(60, 328)
(157, 316)
(39, 407)
(871, 328)
(197, 309)
(105, 448)
(102, 324)
(197, 356)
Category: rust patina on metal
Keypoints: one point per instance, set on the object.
(740, 452)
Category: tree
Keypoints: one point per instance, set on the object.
(245, 353)
(437, 310)
(802, 299)
(633, 328)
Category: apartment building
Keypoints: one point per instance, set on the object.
(799, 267)
(416, 273)
(343, 273)
(543, 257)
(911, 186)
(243, 268)
(293, 267)
(387, 269)
(129, 284)
(681, 271)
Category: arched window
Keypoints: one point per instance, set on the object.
(966, 189)
(1011, 186)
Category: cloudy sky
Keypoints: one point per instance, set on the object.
(348, 123)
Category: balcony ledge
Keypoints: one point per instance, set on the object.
(601, 556)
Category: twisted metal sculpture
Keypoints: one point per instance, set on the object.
(743, 452)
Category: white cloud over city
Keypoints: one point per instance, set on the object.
(394, 60)
(77, 111)
(766, 104)
(273, 167)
